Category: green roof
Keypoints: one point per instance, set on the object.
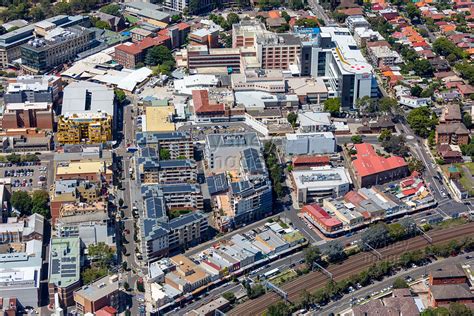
(64, 261)
(453, 169)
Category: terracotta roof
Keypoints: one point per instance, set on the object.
(368, 162)
(147, 42)
(321, 215)
(202, 104)
(310, 160)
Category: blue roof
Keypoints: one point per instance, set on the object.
(217, 183)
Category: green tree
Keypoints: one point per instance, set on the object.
(312, 254)
(278, 309)
(37, 13)
(400, 283)
(101, 24)
(120, 95)
(62, 7)
(356, 139)
(112, 9)
(467, 120)
(334, 251)
(385, 135)
(445, 47)
(423, 68)
(230, 296)
(164, 154)
(286, 16)
(421, 121)
(22, 202)
(40, 203)
(232, 18)
(412, 11)
(158, 55)
(332, 106)
(376, 236)
(311, 23)
(292, 118)
(416, 91)
(91, 274)
(101, 254)
(467, 71)
(386, 104)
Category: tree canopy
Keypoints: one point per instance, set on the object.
(159, 55)
(28, 204)
(332, 105)
(422, 120)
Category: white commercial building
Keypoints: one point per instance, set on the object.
(309, 122)
(310, 143)
(318, 183)
(195, 82)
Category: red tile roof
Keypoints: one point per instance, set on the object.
(182, 26)
(202, 104)
(369, 163)
(310, 160)
(147, 42)
(321, 215)
(353, 197)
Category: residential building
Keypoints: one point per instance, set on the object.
(448, 275)
(131, 54)
(11, 42)
(153, 170)
(356, 21)
(188, 276)
(443, 295)
(178, 33)
(319, 183)
(161, 235)
(87, 114)
(20, 273)
(364, 37)
(33, 89)
(64, 269)
(139, 34)
(92, 225)
(400, 303)
(223, 151)
(178, 196)
(59, 45)
(347, 73)
(414, 102)
(371, 169)
(28, 115)
(380, 56)
(452, 133)
(99, 294)
(451, 114)
(179, 144)
(310, 143)
(319, 217)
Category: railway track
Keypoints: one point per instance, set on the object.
(354, 264)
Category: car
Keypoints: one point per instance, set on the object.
(468, 257)
(358, 286)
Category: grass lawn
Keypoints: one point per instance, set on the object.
(451, 222)
(284, 277)
(465, 179)
(177, 213)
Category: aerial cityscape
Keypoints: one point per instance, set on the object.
(240, 158)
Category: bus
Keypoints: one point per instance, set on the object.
(271, 273)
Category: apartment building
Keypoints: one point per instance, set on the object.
(278, 51)
(167, 171)
(33, 89)
(89, 128)
(450, 129)
(10, 43)
(356, 21)
(205, 36)
(161, 235)
(179, 144)
(310, 143)
(130, 54)
(103, 292)
(64, 269)
(59, 45)
(87, 114)
(28, 115)
(177, 195)
(380, 56)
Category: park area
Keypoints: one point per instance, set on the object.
(467, 179)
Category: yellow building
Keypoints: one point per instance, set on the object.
(158, 119)
(90, 128)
